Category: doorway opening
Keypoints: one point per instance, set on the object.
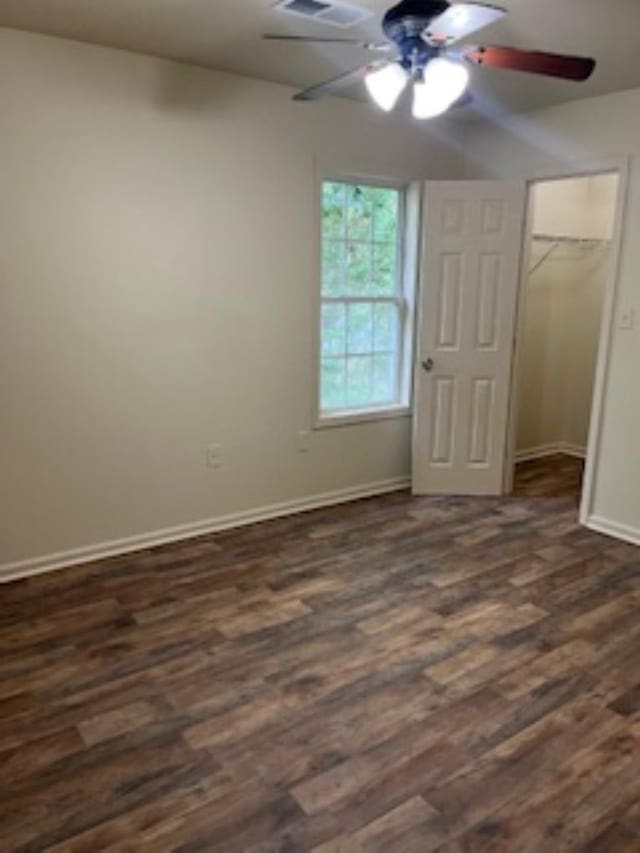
(568, 260)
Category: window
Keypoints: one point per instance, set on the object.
(365, 324)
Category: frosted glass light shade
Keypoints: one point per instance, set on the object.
(444, 82)
(386, 85)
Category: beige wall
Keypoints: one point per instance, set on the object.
(157, 278)
(576, 207)
(564, 137)
(562, 312)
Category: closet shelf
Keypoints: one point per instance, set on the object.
(556, 240)
(577, 241)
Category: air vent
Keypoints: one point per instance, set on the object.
(344, 16)
(338, 14)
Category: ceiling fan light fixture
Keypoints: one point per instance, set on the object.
(387, 84)
(427, 103)
(443, 84)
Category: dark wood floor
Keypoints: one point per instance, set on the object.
(395, 674)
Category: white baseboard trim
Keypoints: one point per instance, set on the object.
(551, 450)
(612, 528)
(117, 547)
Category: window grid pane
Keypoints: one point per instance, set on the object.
(359, 267)
(360, 337)
(360, 352)
(359, 380)
(333, 267)
(360, 328)
(334, 383)
(334, 329)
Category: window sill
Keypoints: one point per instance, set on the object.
(366, 416)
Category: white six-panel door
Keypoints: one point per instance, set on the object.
(470, 275)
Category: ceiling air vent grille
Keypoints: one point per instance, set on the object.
(337, 14)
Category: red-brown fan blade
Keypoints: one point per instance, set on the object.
(535, 62)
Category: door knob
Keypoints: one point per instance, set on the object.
(428, 364)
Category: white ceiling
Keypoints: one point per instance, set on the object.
(225, 35)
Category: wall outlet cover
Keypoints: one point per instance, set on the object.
(627, 319)
(304, 441)
(214, 456)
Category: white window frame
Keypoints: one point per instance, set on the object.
(406, 296)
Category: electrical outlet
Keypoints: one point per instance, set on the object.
(304, 441)
(627, 319)
(214, 456)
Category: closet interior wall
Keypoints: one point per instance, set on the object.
(562, 312)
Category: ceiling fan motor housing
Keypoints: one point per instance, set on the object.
(405, 25)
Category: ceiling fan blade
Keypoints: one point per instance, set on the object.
(382, 46)
(465, 100)
(460, 20)
(535, 62)
(333, 85)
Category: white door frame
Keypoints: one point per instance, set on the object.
(620, 167)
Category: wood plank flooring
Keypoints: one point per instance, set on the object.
(396, 674)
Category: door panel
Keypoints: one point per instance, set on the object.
(450, 302)
(482, 397)
(443, 420)
(488, 301)
(470, 277)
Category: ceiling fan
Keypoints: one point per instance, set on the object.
(423, 37)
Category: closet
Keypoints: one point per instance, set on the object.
(569, 257)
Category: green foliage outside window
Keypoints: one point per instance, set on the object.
(360, 327)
